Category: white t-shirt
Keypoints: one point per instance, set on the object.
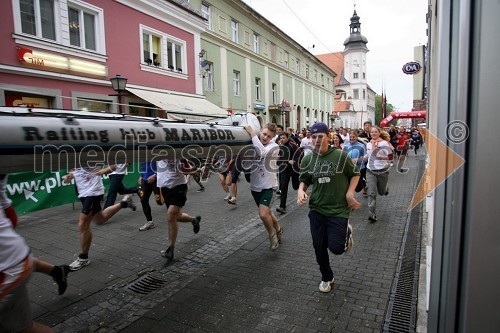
(380, 149)
(306, 144)
(4, 199)
(264, 172)
(88, 183)
(168, 173)
(121, 169)
(13, 247)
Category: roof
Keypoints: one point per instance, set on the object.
(334, 61)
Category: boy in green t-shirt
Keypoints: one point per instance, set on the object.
(334, 177)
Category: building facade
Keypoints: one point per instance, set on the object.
(354, 98)
(62, 54)
(249, 65)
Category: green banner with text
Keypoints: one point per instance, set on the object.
(31, 191)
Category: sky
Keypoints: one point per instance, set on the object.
(393, 28)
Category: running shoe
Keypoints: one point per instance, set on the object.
(227, 197)
(279, 234)
(372, 218)
(326, 286)
(232, 201)
(281, 210)
(196, 224)
(274, 241)
(148, 225)
(78, 264)
(201, 189)
(62, 279)
(130, 203)
(168, 253)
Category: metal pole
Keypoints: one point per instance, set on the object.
(120, 102)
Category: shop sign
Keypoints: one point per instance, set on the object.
(411, 68)
(285, 106)
(274, 107)
(54, 61)
(258, 106)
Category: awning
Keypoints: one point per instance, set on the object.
(189, 107)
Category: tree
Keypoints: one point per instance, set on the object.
(378, 109)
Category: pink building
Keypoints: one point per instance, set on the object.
(62, 54)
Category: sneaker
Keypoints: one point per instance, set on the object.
(350, 241)
(278, 192)
(196, 224)
(372, 218)
(130, 203)
(232, 201)
(148, 225)
(201, 189)
(281, 210)
(279, 234)
(78, 264)
(227, 197)
(274, 241)
(326, 286)
(168, 253)
(62, 280)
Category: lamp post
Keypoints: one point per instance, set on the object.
(119, 83)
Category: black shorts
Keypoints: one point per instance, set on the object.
(91, 205)
(175, 196)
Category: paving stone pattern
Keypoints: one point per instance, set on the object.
(224, 279)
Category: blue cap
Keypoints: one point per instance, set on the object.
(319, 128)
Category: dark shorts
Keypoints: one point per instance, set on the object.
(265, 197)
(403, 152)
(91, 205)
(175, 196)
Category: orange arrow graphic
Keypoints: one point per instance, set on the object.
(443, 162)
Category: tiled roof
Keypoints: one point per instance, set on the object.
(335, 61)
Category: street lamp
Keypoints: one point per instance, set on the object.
(119, 83)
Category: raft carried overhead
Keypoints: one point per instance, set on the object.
(45, 139)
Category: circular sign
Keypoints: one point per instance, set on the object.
(411, 68)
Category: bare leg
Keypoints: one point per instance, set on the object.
(104, 215)
(174, 215)
(270, 221)
(85, 232)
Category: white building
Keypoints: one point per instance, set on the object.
(354, 99)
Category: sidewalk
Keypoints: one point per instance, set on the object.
(224, 279)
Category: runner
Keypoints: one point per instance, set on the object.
(147, 180)
(116, 175)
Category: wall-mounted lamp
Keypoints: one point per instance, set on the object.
(202, 53)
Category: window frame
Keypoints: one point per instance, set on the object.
(274, 97)
(164, 67)
(235, 31)
(82, 10)
(207, 14)
(355, 75)
(355, 94)
(258, 90)
(62, 43)
(236, 83)
(256, 46)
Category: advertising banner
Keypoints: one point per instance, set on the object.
(31, 191)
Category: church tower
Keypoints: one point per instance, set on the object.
(355, 71)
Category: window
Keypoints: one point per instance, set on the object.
(236, 83)
(205, 12)
(307, 71)
(163, 51)
(257, 88)
(297, 66)
(322, 80)
(255, 43)
(209, 77)
(364, 76)
(93, 105)
(81, 28)
(38, 18)
(273, 52)
(355, 75)
(315, 76)
(364, 94)
(234, 31)
(72, 24)
(355, 94)
(152, 49)
(273, 93)
(287, 56)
